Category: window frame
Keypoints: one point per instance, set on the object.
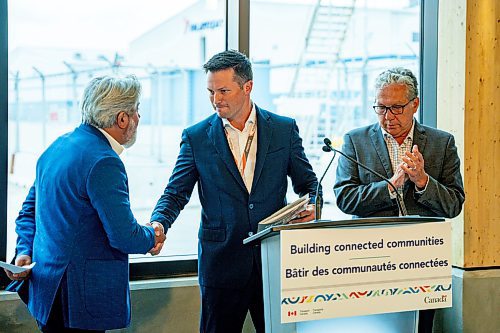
(429, 12)
(4, 86)
(237, 37)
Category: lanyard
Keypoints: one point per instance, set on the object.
(243, 163)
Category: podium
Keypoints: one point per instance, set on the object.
(393, 321)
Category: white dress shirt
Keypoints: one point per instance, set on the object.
(115, 145)
(396, 153)
(237, 140)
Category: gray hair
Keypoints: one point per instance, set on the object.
(106, 96)
(398, 75)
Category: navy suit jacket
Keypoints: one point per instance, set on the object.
(361, 193)
(229, 213)
(76, 223)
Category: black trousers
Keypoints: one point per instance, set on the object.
(425, 320)
(225, 310)
(55, 323)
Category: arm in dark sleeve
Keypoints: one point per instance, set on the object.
(353, 196)
(107, 188)
(445, 196)
(304, 180)
(179, 188)
(26, 225)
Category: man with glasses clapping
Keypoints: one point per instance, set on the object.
(421, 161)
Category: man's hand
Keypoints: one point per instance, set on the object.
(399, 177)
(414, 167)
(22, 260)
(306, 215)
(159, 238)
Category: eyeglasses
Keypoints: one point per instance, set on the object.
(136, 109)
(395, 109)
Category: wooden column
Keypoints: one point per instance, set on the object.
(482, 135)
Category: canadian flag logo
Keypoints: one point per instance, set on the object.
(292, 313)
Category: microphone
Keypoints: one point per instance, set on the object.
(318, 201)
(399, 199)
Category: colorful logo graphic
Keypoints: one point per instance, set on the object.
(331, 297)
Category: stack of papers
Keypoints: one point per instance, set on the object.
(285, 214)
(16, 269)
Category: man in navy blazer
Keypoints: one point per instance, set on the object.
(76, 222)
(421, 161)
(240, 158)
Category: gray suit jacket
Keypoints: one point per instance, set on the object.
(363, 194)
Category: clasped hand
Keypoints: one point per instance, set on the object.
(159, 237)
(411, 168)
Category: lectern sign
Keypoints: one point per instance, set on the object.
(340, 272)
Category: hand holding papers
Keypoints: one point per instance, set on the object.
(285, 214)
(16, 269)
(19, 273)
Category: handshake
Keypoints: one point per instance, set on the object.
(159, 237)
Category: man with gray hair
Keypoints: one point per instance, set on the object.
(421, 161)
(76, 222)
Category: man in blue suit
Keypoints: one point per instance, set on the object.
(421, 161)
(76, 222)
(240, 157)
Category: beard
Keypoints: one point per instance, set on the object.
(130, 134)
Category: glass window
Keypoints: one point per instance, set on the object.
(317, 60)
(56, 47)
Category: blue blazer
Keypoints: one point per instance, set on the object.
(229, 213)
(76, 223)
(362, 193)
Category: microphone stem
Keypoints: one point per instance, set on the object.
(399, 199)
(318, 201)
(317, 207)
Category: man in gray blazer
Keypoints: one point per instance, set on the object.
(422, 162)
